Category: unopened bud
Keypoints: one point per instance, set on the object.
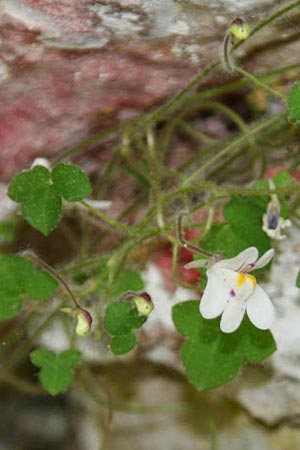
(144, 304)
(273, 224)
(84, 320)
(240, 29)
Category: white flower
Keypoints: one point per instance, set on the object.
(231, 291)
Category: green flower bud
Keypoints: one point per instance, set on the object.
(84, 323)
(144, 304)
(240, 29)
(84, 320)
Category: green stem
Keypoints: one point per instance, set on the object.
(35, 259)
(113, 223)
(258, 82)
(176, 101)
(230, 147)
(275, 16)
(154, 166)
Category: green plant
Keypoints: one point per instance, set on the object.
(103, 285)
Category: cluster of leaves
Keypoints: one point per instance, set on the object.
(40, 193)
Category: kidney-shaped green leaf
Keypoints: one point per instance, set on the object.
(211, 357)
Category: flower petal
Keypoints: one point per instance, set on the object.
(264, 259)
(240, 261)
(260, 309)
(214, 296)
(195, 264)
(233, 315)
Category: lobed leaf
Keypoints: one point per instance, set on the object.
(55, 369)
(211, 357)
(41, 206)
(39, 192)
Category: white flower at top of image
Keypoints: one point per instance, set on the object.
(231, 291)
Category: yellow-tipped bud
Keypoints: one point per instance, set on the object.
(84, 323)
(84, 320)
(240, 29)
(144, 304)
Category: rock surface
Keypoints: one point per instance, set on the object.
(68, 69)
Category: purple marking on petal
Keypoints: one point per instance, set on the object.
(232, 293)
(248, 267)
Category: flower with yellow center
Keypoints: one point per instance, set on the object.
(231, 291)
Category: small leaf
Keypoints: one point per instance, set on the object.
(293, 100)
(19, 279)
(129, 280)
(71, 182)
(211, 357)
(40, 191)
(123, 343)
(56, 370)
(121, 318)
(41, 206)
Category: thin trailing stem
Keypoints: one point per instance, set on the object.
(175, 268)
(155, 173)
(274, 17)
(232, 146)
(258, 82)
(182, 240)
(113, 223)
(35, 259)
(226, 57)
